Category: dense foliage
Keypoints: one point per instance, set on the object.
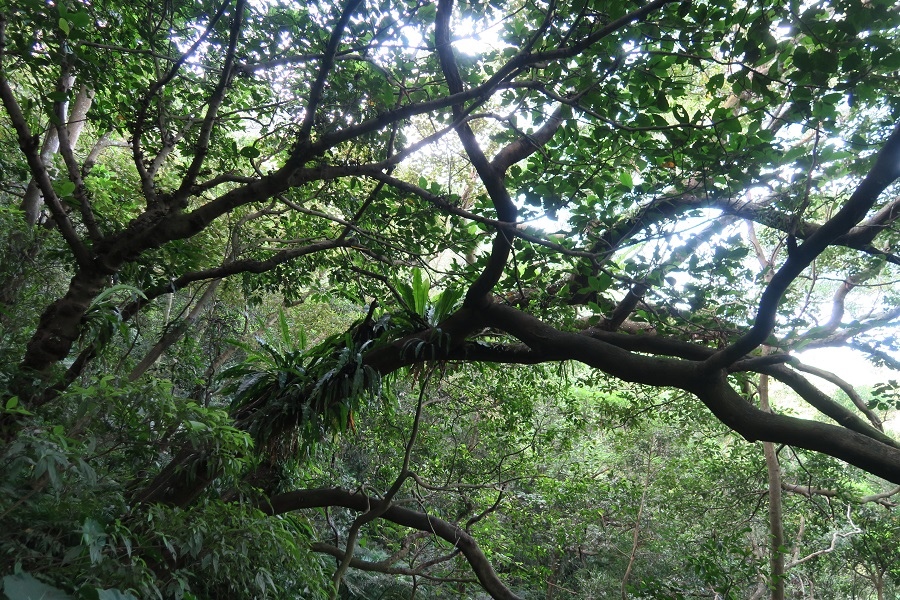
(414, 299)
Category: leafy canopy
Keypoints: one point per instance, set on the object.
(676, 195)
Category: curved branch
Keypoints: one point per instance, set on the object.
(233, 268)
(881, 496)
(66, 149)
(29, 146)
(658, 209)
(385, 567)
(808, 491)
(863, 445)
(799, 384)
(490, 176)
(845, 387)
(867, 231)
(885, 170)
(834, 537)
(765, 214)
(824, 404)
(449, 532)
(327, 63)
(527, 145)
(381, 505)
(201, 147)
(863, 451)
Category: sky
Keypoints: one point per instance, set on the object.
(847, 364)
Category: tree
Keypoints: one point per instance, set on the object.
(367, 151)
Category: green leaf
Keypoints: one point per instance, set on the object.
(445, 303)
(250, 152)
(81, 20)
(64, 188)
(420, 287)
(283, 327)
(732, 125)
(23, 586)
(64, 26)
(428, 11)
(662, 102)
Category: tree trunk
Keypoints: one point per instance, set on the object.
(61, 323)
(636, 537)
(31, 203)
(776, 522)
(25, 249)
(175, 333)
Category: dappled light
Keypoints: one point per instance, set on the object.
(413, 299)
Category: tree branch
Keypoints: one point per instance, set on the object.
(830, 548)
(492, 179)
(29, 146)
(527, 145)
(146, 176)
(66, 147)
(824, 404)
(885, 170)
(384, 566)
(449, 532)
(201, 147)
(845, 387)
(327, 63)
(233, 268)
(380, 506)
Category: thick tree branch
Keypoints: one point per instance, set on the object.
(872, 451)
(491, 178)
(449, 532)
(824, 404)
(866, 452)
(325, 66)
(866, 232)
(527, 145)
(655, 345)
(387, 567)
(765, 214)
(885, 170)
